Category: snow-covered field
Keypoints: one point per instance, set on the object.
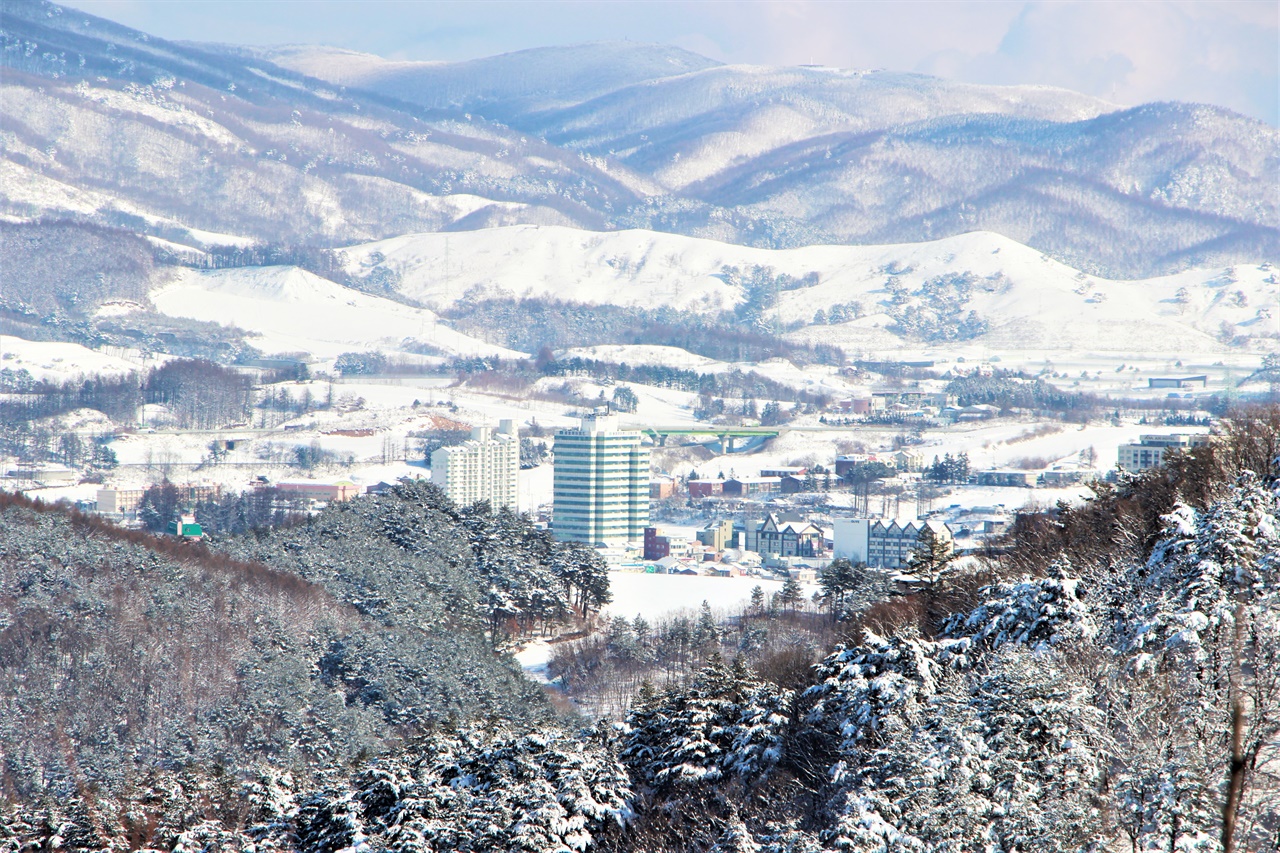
(57, 361)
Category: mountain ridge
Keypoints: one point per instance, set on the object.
(108, 125)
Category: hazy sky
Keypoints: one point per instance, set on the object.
(1224, 52)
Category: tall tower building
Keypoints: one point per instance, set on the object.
(485, 468)
(601, 485)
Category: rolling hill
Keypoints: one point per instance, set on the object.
(903, 297)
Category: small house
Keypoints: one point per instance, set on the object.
(747, 487)
(185, 528)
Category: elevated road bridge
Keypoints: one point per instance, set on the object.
(732, 439)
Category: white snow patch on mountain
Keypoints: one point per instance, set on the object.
(158, 106)
(646, 354)
(57, 361)
(23, 187)
(290, 310)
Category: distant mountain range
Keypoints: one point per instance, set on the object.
(202, 145)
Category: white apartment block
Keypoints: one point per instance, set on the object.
(485, 468)
(1151, 449)
(882, 543)
(601, 483)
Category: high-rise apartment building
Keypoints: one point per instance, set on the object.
(601, 485)
(485, 468)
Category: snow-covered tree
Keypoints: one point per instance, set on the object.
(725, 724)
(1039, 613)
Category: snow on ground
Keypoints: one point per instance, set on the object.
(56, 361)
(156, 107)
(52, 494)
(26, 187)
(625, 268)
(994, 444)
(533, 659)
(997, 445)
(817, 379)
(655, 596)
(217, 238)
(662, 406)
(290, 310)
(478, 408)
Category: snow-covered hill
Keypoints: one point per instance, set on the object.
(52, 361)
(171, 140)
(792, 156)
(290, 310)
(1026, 299)
(497, 87)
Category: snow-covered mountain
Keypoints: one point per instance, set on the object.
(903, 297)
(496, 87)
(793, 156)
(203, 145)
(104, 123)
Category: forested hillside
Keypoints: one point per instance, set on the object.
(1110, 679)
(137, 667)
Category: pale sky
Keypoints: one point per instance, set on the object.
(1224, 52)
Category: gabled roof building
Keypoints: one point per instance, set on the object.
(880, 543)
(785, 538)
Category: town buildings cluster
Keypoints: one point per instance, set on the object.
(603, 490)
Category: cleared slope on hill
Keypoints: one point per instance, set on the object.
(291, 310)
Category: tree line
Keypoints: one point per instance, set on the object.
(198, 394)
(533, 323)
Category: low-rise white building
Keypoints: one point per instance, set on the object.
(882, 543)
(1150, 450)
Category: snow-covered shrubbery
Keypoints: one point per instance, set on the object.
(726, 723)
(1039, 613)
